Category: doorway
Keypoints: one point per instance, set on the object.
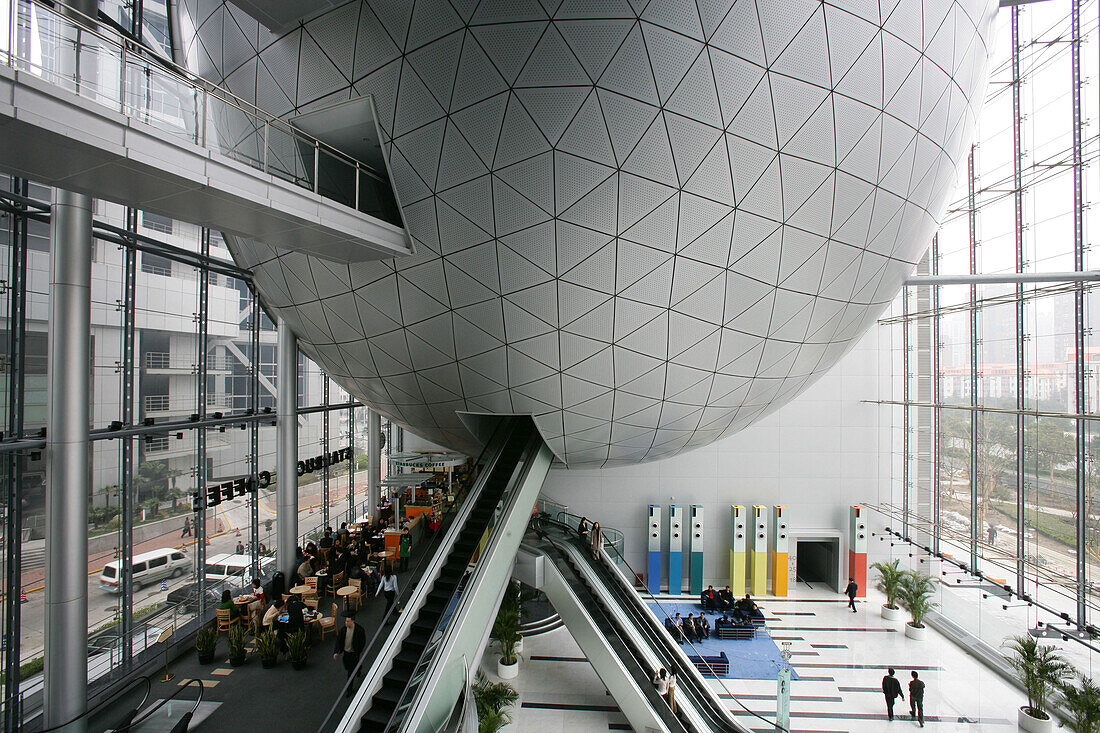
(818, 562)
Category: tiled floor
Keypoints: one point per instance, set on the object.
(840, 656)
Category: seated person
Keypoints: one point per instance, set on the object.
(709, 599)
(257, 593)
(679, 624)
(227, 604)
(702, 626)
(690, 630)
(725, 599)
(271, 616)
(722, 622)
(670, 627)
(307, 569)
(747, 606)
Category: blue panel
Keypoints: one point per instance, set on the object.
(653, 578)
(675, 573)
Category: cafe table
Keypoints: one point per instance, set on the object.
(300, 590)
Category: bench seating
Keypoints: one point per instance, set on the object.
(736, 632)
(711, 666)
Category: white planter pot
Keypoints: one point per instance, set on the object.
(914, 632)
(507, 671)
(1034, 725)
(892, 614)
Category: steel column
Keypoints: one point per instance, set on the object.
(352, 462)
(17, 317)
(202, 528)
(937, 397)
(286, 484)
(905, 477)
(325, 451)
(1079, 310)
(1018, 204)
(126, 448)
(67, 461)
(374, 462)
(254, 432)
(972, 221)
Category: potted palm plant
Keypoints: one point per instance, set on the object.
(889, 584)
(915, 595)
(235, 641)
(1039, 668)
(267, 644)
(205, 642)
(297, 649)
(1083, 701)
(492, 700)
(506, 631)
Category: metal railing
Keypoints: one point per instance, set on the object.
(95, 62)
(612, 538)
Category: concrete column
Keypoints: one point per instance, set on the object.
(286, 488)
(67, 460)
(374, 465)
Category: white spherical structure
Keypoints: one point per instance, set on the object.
(647, 231)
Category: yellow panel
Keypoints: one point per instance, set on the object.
(737, 573)
(779, 574)
(759, 574)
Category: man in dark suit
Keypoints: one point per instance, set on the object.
(891, 689)
(725, 599)
(350, 642)
(851, 592)
(916, 699)
(709, 599)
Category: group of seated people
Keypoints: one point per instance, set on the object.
(270, 604)
(693, 628)
(336, 554)
(744, 609)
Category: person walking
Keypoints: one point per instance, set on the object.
(916, 699)
(388, 585)
(851, 592)
(350, 642)
(891, 690)
(186, 527)
(405, 549)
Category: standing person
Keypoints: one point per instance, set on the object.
(660, 681)
(597, 540)
(916, 699)
(851, 592)
(388, 585)
(582, 529)
(672, 692)
(350, 642)
(186, 527)
(891, 689)
(404, 549)
(239, 549)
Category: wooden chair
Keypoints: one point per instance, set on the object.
(225, 620)
(327, 623)
(312, 583)
(357, 596)
(312, 602)
(338, 581)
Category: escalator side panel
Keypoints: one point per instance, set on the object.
(469, 627)
(593, 642)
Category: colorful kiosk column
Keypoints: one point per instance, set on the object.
(675, 549)
(758, 551)
(737, 551)
(780, 550)
(695, 584)
(857, 548)
(653, 571)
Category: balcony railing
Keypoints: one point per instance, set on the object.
(165, 360)
(102, 66)
(166, 403)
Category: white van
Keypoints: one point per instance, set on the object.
(149, 567)
(236, 569)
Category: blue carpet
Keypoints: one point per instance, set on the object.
(755, 659)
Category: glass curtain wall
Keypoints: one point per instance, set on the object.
(178, 340)
(1004, 377)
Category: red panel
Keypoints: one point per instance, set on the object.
(857, 569)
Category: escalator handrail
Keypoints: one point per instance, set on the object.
(634, 654)
(147, 713)
(446, 534)
(87, 714)
(645, 590)
(530, 449)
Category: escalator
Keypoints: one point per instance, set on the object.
(623, 617)
(416, 660)
(119, 713)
